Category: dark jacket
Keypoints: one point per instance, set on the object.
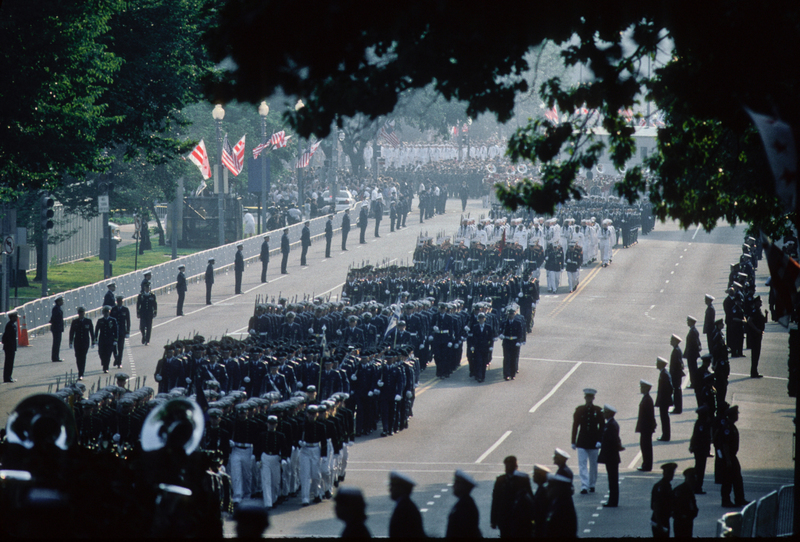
(10, 336)
(285, 244)
(346, 223)
(238, 261)
(210, 274)
(610, 445)
(81, 333)
(181, 283)
(329, 229)
(265, 251)
(464, 519)
(646, 422)
(57, 319)
(406, 521)
(305, 237)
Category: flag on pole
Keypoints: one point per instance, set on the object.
(389, 135)
(305, 157)
(392, 322)
(278, 140)
(199, 157)
(233, 159)
(776, 134)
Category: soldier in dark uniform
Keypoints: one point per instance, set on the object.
(482, 338)
(562, 520)
(350, 508)
(727, 440)
(345, 228)
(57, 329)
(108, 299)
(685, 506)
(81, 335)
(238, 268)
(378, 212)
(646, 425)
(328, 235)
(146, 310)
(540, 501)
(587, 432)
(10, 334)
(708, 322)
(264, 257)
(661, 502)
(721, 366)
(363, 218)
(610, 447)
(464, 518)
(664, 398)
(406, 521)
(392, 214)
(305, 242)
(700, 446)
(107, 336)
(755, 325)
(734, 322)
(209, 280)
(285, 248)
(503, 494)
(692, 351)
(181, 288)
(676, 374)
(512, 335)
(272, 449)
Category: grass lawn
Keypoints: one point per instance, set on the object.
(61, 278)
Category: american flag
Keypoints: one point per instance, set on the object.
(388, 134)
(278, 140)
(464, 128)
(199, 157)
(305, 158)
(233, 159)
(455, 131)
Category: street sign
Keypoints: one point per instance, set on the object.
(8, 245)
(102, 204)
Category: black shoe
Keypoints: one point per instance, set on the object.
(208, 302)
(317, 500)
(728, 504)
(751, 376)
(327, 494)
(609, 505)
(10, 381)
(57, 360)
(584, 491)
(699, 492)
(306, 504)
(642, 469)
(591, 490)
(662, 439)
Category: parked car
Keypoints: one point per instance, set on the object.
(345, 199)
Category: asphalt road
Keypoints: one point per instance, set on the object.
(606, 335)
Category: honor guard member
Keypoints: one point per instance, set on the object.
(264, 257)
(147, 276)
(685, 506)
(108, 299)
(363, 218)
(755, 325)
(692, 351)
(560, 458)
(328, 235)
(727, 445)
(146, 310)
(10, 334)
(313, 446)
(273, 450)
(722, 366)
(700, 446)
(540, 501)
(406, 521)
(285, 248)
(240, 463)
(734, 322)
(209, 279)
(305, 242)
(646, 425)
(587, 433)
(562, 520)
(573, 261)
(81, 335)
(464, 518)
(181, 288)
(662, 501)
(511, 334)
(610, 447)
(238, 268)
(664, 398)
(345, 228)
(107, 336)
(708, 322)
(482, 340)
(676, 374)
(506, 487)
(57, 329)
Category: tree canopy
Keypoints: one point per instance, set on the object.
(350, 58)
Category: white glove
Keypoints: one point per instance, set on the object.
(387, 292)
(299, 384)
(377, 392)
(597, 445)
(409, 394)
(719, 454)
(491, 348)
(397, 398)
(188, 380)
(421, 346)
(519, 294)
(380, 383)
(469, 297)
(284, 462)
(518, 344)
(324, 327)
(338, 331)
(116, 438)
(354, 378)
(369, 394)
(159, 378)
(430, 337)
(302, 443)
(472, 349)
(449, 345)
(436, 329)
(247, 380)
(501, 336)
(466, 328)
(311, 330)
(574, 446)
(221, 393)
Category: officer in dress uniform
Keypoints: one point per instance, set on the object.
(587, 432)
(146, 310)
(676, 374)
(305, 242)
(285, 248)
(273, 449)
(209, 279)
(57, 329)
(108, 299)
(345, 228)
(710, 318)
(10, 334)
(328, 235)
(464, 517)
(81, 335)
(482, 341)
(692, 351)
(700, 446)
(264, 257)
(610, 447)
(685, 506)
(181, 288)
(646, 425)
(107, 336)
(313, 446)
(661, 502)
(238, 268)
(406, 521)
(511, 334)
(363, 218)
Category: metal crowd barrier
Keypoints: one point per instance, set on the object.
(36, 314)
(769, 517)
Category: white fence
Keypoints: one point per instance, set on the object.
(83, 241)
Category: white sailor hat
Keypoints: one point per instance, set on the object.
(691, 318)
(181, 266)
(272, 419)
(541, 468)
(610, 408)
(466, 478)
(709, 297)
(589, 391)
(561, 453)
(661, 361)
(399, 477)
(110, 284)
(645, 383)
(676, 338)
(211, 260)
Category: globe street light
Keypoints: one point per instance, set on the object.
(218, 114)
(263, 111)
(300, 202)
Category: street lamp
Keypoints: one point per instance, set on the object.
(218, 114)
(263, 111)
(300, 202)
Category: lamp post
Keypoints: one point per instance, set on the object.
(335, 160)
(218, 114)
(300, 202)
(263, 111)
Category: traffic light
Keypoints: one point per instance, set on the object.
(47, 212)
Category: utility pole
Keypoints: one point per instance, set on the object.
(47, 225)
(263, 111)
(218, 114)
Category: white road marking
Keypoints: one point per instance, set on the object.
(493, 447)
(555, 388)
(695, 232)
(130, 357)
(635, 460)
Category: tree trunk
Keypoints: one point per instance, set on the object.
(161, 238)
(356, 156)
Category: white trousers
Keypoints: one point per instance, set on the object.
(240, 468)
(270, 478)
(309, 473)
(553, 277)
(587, 467)
(573, 277)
